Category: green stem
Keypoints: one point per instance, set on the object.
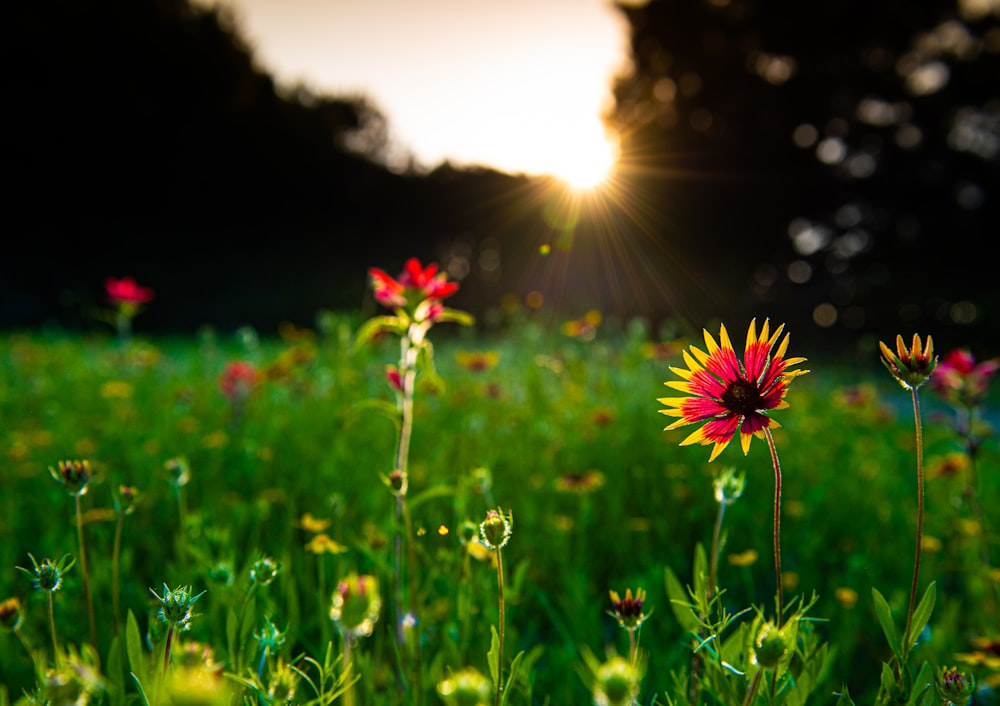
(752, 691)
(408, 374)
(52, 627)
(348, 666)
(86, 574)
(115, 558)
(920, 523)
(716, 548)
(166, 651)
(777, 523)
(500, 632)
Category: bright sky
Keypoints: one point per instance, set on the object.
(518, 85)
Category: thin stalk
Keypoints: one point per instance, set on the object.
(115, 558)
(52, 629)
(716, 548)
(920, 522)
(777, 524)
(166, 651)
(408, 374)
(86, 574)
(752, 691)
(348, 666)
(500, 632)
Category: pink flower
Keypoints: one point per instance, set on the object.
(415, 285)
(126, 291)
(960, 380)
(237, 380)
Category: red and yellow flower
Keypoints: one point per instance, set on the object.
(728, 396)
(415, 285)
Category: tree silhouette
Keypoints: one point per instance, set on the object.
(832, 154)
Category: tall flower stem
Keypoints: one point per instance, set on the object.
(716, 548)
(920, 520)
(115, 558)
(166, 651)
(52, 629)
(348, 667)
(86, 573)
(502, 620)
(408, 375)
(777, 525)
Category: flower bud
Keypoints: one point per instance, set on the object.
(954, 687)
(729, 486)
(616, 683)
(910, 367)
(356, 605)
(465, 688)
(10, 614)
(769, 645)
(496, 529)
(74, 475)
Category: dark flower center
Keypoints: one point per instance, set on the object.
(742, 397)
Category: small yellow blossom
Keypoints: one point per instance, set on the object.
(847, 597)
(747, 558)
(322, 544)
(931, 544)
(215, 440)
(313, 524)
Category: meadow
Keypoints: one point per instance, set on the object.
(248, 536)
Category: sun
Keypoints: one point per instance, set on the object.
(586, 164)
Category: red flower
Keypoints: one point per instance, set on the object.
(126, 291)
(415, 285)
(960, 380)
(729, 395)
(237, 380)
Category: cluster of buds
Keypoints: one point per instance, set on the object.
(913, 366)
(356, 605)
(73, 475)
(417, 291)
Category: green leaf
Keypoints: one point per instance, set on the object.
(380, 324)
(437, 491)
(456, 316)
(134, 649)
(138, 685)
(921, 615)
(679, 603)
(514, 667)
(884, 614)
(382, 408)
(923, 682)
(493, 656)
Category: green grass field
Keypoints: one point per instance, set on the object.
(561, 431)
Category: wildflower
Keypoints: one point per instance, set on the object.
(10, 614)
(467, 687)
(116, 390)
(949, 465)
(126, 293)
(954, 687)
(616, 682)
(743, 559)
(264, 571)
(663, 350)
(313, 524)
(176, 606)
(729, 486)
(284, 681)
(125, 499)
(584, 328)
(394, 378)
(322, 544)
(960, 381)
(356, 605)
(74, 475)
(628, 611)
(769, 645)
(846, 596)
(415, 285)
(179, 470)
(580, 483)
(237, 380)
(477, 361)
(731, 396)
(48, 576)
(496, 529)
(911, 367)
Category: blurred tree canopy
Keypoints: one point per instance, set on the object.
(833, 155)
(827, 162)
